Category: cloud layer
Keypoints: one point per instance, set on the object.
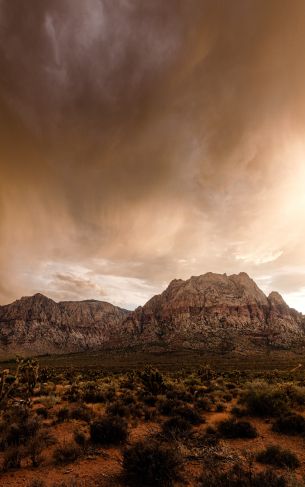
(142, 141)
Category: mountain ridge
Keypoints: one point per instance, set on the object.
(214, 312)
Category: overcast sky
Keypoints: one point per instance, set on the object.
(146, 140)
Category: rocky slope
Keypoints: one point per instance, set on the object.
(212, 312)
(216, 312)
(39, 325)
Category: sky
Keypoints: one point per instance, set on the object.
(144, 140)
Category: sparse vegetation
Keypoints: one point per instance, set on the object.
(150, 464)
(231, 428)
(242, 477)
(160, 428)
(278, 457)
(290, 424)
(109, 430)
(66, 453)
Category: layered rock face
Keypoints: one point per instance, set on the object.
(212, 312)
(216, 312)
(39, 325)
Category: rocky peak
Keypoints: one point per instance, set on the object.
(37, 325)
(216, 312)
(275, 299)
(211, 288)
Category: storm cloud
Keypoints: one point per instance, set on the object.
(146, 140)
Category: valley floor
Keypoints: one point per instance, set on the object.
(207, 425)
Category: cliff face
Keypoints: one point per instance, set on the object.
(216, 312)
(213, 312)
(38, 325)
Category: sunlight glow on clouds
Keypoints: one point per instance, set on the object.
(146, 141)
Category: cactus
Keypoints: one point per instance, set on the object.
(152, 380)
(206, 372)
(19, 385)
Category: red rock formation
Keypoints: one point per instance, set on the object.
(39, 325)
(213, 312)
(216, 312)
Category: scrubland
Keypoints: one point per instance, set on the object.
(205, 427)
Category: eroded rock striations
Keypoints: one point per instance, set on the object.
(213, 312)
(216, 312)
(39, 325)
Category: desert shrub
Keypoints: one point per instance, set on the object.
(180, 394)
(149, 414)
(136, 410)
(17, 427)
(227, 397)
(128, 399)
(66, 453)
(238, 412)
(82, 413)
(37, 483)
(237, 476)
(63, 414)
(204, 404)
(151, 464)
(92, 393)
(295, 394)
(109, 430)
(219, 408)
(189, 414)
(206, 372)
(265, 400)
(176, 427)
(278, 457)
(167, 406)
(117, 408)
(43, 412)
(50, 401)
(290, 424)
(12, 458)
(231, 428)
(80, 438)
(70, 483)
(208, 439)
(35, 447)
(149, 399)
(73, 393)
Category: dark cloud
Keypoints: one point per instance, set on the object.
(149, 140)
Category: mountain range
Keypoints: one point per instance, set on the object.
(211, 312)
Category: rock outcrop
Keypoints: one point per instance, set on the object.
(212, 312)
(216, 312)
(39, 325)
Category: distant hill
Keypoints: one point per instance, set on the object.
(212, 312)
(38, 325)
